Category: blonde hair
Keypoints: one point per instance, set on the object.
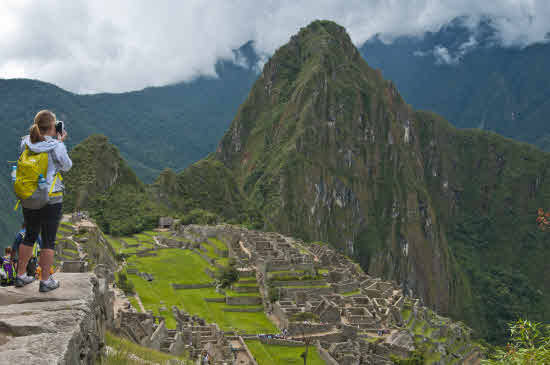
(42, 124)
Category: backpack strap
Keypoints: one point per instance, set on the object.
(59, 193)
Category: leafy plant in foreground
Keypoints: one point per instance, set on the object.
(529, 344)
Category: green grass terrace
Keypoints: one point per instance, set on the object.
(282, 355)
(179, 266)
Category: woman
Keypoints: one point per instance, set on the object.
(44, 221)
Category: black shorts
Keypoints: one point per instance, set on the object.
(45, 222)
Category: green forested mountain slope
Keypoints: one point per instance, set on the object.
(328, 150)
(102, 184)
(206, 186)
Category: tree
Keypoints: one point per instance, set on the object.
(306, 339)
(229, 274)
(529, 344)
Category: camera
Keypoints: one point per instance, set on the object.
(59, 127)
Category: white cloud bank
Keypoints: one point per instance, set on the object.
(101, 45)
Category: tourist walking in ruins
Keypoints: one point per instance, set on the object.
(41, 152)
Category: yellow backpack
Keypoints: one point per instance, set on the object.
(29, 167)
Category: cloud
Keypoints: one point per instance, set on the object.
(443, 55)
(101, 45)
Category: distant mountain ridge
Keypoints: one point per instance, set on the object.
(468, 77)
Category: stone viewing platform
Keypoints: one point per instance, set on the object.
(65, 326)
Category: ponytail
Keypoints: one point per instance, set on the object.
(35, 134)
(42, 123)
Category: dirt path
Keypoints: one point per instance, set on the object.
(158, 243)
(245, 249)
(138, 299)
(314, 335)
(121, 302)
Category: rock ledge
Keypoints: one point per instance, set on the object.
(65, 326)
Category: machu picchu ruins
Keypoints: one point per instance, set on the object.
(309, 291)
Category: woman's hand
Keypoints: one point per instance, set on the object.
(62, 137)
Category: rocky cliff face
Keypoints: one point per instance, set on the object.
(64, 327)
(329, 150)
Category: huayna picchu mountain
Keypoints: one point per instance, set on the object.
(329, 150)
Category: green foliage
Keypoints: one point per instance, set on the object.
(502, 292)
(101, 183)
(529, 344)
(229, 274)
(124, 284)
(274, 294)
(206, 192)
(200, 216)
(416, 358)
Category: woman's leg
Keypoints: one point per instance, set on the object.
(46, 261)
(50, 223)
(32, 226)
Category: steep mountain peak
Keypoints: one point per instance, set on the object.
(322, 46)
(320, 38)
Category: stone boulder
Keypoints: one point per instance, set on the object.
(65, 326)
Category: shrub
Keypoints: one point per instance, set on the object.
(529, 344)
(125, 285)
(274, 294)
(229, 274)
(200, 216)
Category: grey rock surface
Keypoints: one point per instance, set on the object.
(65, 326)
(402, 339)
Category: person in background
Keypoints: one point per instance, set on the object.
(45, 220)
(19, 236)
(7, 273)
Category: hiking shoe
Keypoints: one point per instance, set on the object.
(48, 285)
(23, 280)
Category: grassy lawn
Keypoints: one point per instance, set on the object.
(174, 266)
(217, 243)
(275, 355)
(130, 240)
(231, 293)
(143, 237)
(114, 243)
(209, 251)
(349, 293)
(186, 267)
(223, 261)
(246, 283)
(285, 272)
